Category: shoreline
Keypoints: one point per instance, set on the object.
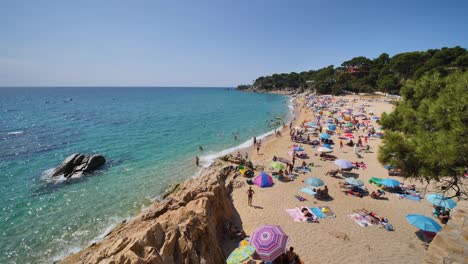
(209, 160)
(338, 232)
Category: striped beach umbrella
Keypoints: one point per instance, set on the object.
(240, 254)
(269, 241)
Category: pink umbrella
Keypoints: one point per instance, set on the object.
(269, 241)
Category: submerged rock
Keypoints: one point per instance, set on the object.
(78, 164)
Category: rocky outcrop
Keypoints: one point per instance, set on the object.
(184, 228)
(451, 244)
(78, 164)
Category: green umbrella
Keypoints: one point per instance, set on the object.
(348, 124)
(277, 165)
(240, 254)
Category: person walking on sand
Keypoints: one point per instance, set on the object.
(250, 194)
(258, 148)
(341, 144)
(197, 160)
(255, 141)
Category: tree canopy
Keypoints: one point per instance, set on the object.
(361, 74)
(426, 134)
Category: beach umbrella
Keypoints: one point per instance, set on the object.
(332, 127)
(269, 241)
(390, 182)
(277, 165)
(298, 148)
(423, 222)
(240, 254)
(324, 136)
(263, 180)
(344, 164)
(440, 200)
(324, 149)
(327, 146)
(375, 118)
(353, 181)
(349, 124)
(315, 182)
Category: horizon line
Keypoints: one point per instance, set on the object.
(110, 86)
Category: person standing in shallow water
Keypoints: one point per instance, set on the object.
(250, 194)
(197, 160)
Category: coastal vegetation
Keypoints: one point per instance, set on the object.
(360, 74)
(426, 134)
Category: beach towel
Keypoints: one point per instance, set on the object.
(296, 215)
(318, 212)
(409, 197)
(360, 220)
(300, 198)
(327, 211)
(308, 191)
(303, 170)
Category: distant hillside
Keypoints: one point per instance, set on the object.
(360, 74)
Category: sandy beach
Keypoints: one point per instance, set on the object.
(340, 239)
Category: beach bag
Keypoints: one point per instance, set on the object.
(389, 227)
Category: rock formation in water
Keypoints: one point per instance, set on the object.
(186, 227)
(78, 164)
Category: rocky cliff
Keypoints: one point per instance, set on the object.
(451, 244)
(185, 227)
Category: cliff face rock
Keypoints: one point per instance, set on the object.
(77, 164)
(186, 227)
(451, 244)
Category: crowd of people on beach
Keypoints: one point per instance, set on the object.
(336, 122)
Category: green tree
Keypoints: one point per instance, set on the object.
(426, 134)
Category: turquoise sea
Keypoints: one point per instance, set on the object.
(149, 137)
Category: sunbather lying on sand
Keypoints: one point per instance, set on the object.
(377, 194)
(332, 173)
(372, 217)
(345, 185)
(325, 156)
(309, 216)
(356, 191)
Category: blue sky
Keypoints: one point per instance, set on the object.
(209, 43)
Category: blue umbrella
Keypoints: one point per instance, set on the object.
(315, 182)
(332, 127)
(327, 146)
(375, 117)
(423, 222)
(440, 200)
(324, 136)
(344, 164)
(353, 181)
(390, 182)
